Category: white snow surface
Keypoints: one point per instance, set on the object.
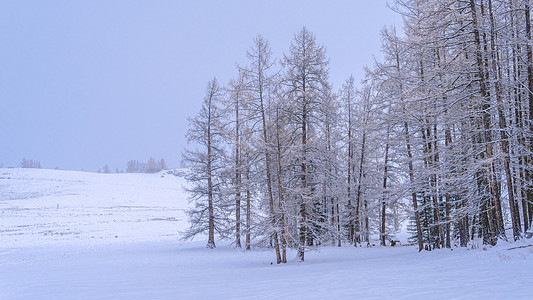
(117, 236)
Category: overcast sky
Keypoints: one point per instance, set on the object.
(89, 83)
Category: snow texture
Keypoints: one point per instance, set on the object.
(116, 236)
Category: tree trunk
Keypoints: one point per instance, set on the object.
(503, 127)
(529, 161)
(238, 178)
(413, 193)
(436, 196)
(357, 238)
(351, 229)
(382, 233)
(280, 192)
(303, 215)
(496, 209)
(211, 238)
(273, 216)
(248, 211)
(448, 142)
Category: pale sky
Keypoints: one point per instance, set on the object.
(89, 83)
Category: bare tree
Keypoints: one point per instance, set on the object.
(306, 83)
(206, 163)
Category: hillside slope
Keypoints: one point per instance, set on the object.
(39, 206)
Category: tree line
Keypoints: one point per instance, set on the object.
(30, 163)
(150, 166)
(440, 131)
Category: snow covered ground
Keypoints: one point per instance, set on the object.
(116, 236)
(41, 207)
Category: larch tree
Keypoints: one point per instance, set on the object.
(347, 96)
(439, 131)
(206, 166)
(305, 80)
(259, 86)
(236, 99)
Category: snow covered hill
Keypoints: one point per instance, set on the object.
(76, 235)
(39, 206)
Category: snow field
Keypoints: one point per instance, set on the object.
(170, 270)
(49, 206)
(116, 236)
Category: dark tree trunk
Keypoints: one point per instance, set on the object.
(238, 178)
(503, 127)
(383, 203)
(413, 193)
(357, 238)
(248, 211)
(495, 215)
(211, 236)
(529, 161)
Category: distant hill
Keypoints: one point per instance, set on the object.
(56, 206)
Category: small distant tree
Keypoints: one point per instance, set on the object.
(183, 163)
(152, 166)
(30, 163)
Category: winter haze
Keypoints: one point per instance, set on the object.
(331, 155)
(89, 83)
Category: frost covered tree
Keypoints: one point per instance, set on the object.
(348, 98)
(238, 136)
(306, 85)
(259, 85)
(469, 64)
(206, 167)
(439, 133)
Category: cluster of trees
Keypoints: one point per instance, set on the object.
(136, 166)
(440, 130)
(151, 166)
(30, 163)
(460, 84)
